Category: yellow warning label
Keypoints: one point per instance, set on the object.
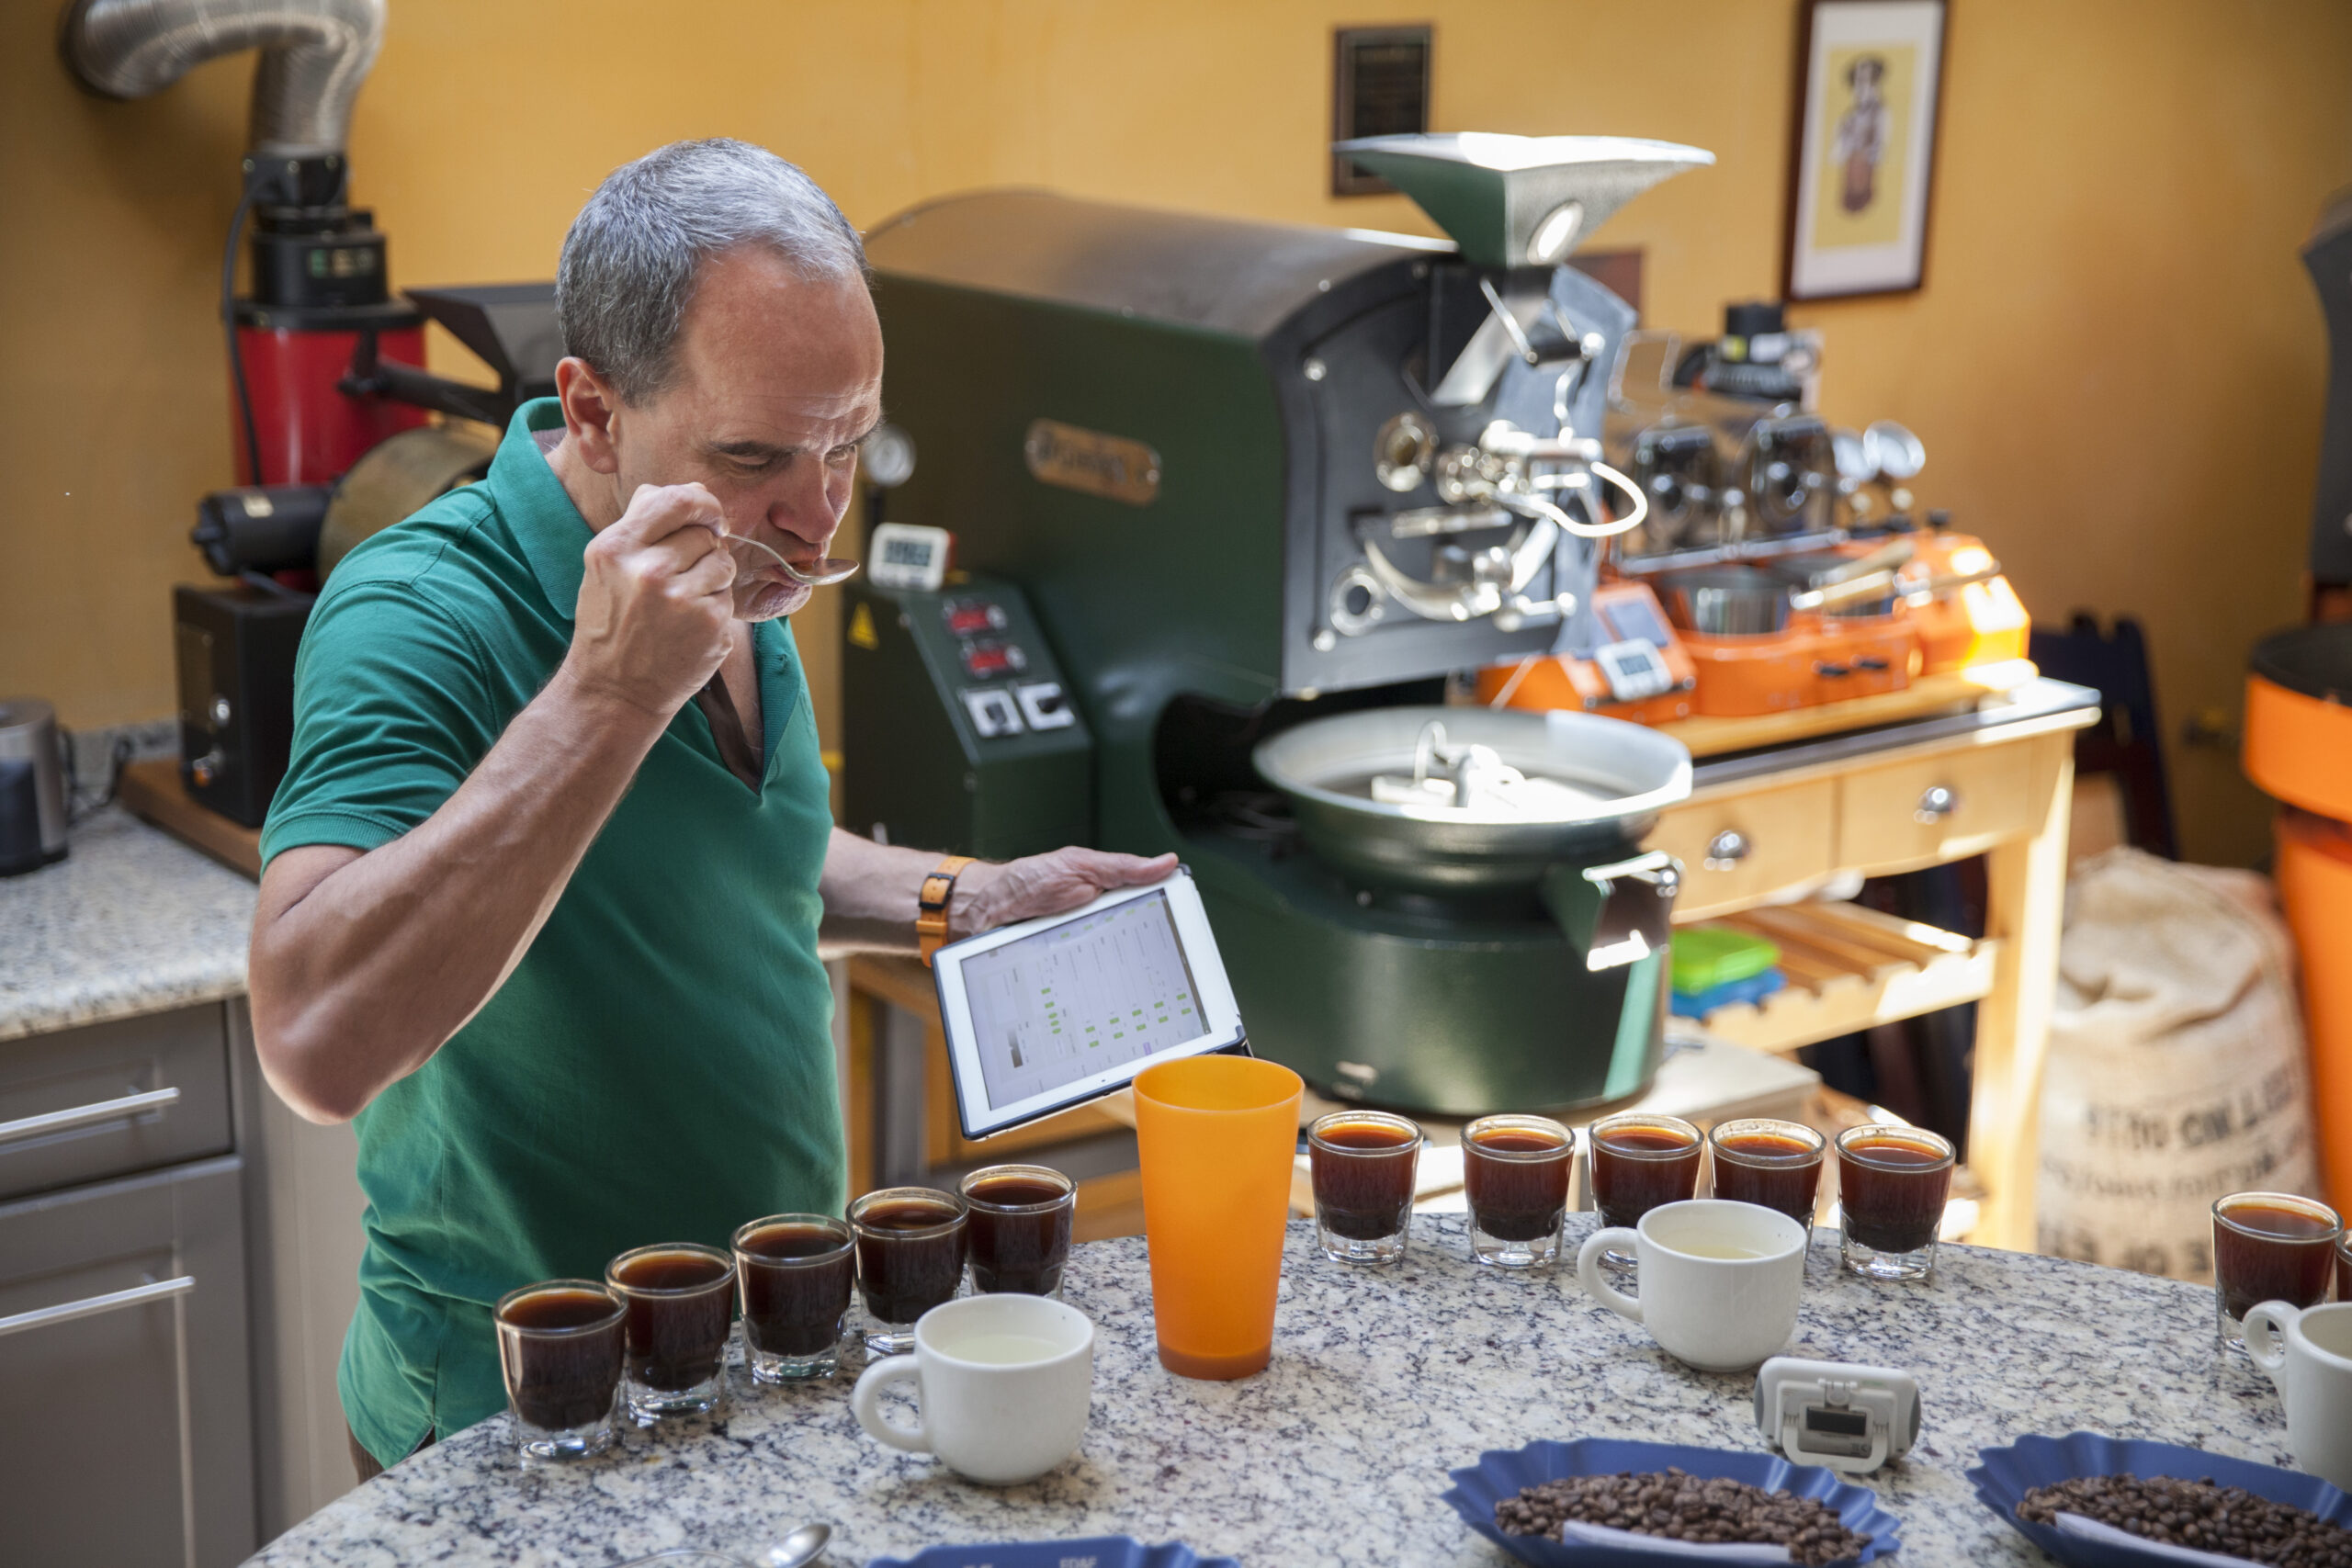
(860, 628)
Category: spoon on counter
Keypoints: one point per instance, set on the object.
(798, 1550)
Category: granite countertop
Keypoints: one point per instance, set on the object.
(130, 921)
(1381, 1382)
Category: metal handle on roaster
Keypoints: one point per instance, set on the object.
(1636, 908)
(1525, 556)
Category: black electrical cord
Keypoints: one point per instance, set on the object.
(229, 325)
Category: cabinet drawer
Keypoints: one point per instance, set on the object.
(123, 1358)
(1757, 843)
(1935, 808)
(118, 1098)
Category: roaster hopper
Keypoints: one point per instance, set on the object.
(1247, 476)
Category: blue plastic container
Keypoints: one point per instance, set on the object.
(2007, 1473)
(1504, 1472)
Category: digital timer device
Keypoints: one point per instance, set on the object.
(1844, 1418)
(904, 555)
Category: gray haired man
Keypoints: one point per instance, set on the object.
(545, 882)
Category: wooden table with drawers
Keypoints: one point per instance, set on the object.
(1764, 827)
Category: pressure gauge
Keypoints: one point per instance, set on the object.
(888, 454)
(1894, 451)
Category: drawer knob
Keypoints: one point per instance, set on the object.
(1726, 849)
(1936, 803)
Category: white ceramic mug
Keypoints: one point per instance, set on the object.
(2312, 1364)
(1002, 1382)
(1719, 1280)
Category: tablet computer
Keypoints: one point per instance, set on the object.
(1052, 1013)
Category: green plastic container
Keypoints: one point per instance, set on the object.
(1707, 956)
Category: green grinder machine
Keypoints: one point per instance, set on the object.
(1231, 501)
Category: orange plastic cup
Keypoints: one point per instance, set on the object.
(1217, 1136)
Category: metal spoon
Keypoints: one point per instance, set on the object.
(798, 1550)
(822, 573)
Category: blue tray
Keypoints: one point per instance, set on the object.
(1098, 1551)
(1503, 1473)
(2007, 1474)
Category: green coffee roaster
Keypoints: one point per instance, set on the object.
(1231, 501)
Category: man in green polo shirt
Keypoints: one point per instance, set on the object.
(547, 878)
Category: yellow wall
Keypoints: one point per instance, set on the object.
(2117, 364)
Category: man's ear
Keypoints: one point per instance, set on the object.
(590, 406)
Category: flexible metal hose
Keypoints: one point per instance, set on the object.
(315, 53)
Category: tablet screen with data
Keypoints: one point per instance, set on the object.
(1045, 1014)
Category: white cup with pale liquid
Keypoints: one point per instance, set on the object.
(1002, 1387)
(1719, 1280)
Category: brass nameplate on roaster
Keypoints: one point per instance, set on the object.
(1108, 465)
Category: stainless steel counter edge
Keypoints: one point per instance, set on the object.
(2039, 704)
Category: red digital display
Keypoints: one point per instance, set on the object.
(992, 658)
(968, 616)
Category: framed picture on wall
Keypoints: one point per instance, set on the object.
(1870, 78)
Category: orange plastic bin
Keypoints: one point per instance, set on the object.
(2298, 748)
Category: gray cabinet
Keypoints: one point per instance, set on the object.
(126, 1427)
(110, 1099)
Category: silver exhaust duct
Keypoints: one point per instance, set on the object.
(315, 53)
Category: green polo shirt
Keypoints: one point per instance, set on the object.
(660, 1066)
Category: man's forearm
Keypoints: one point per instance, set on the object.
(359, 976)
(870, 891)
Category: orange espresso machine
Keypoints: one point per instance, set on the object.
(1777, 565)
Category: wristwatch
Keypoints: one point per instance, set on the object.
(931, 904)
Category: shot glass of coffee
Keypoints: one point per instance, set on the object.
(2269, 1247)
(2344, 1266)
(911, 1244)
(1892, 1184)
(1639, 1163)
(1775, 1165)
(792, 1274)
(1515, 1173)
(1363, 1163)
(681, 1301)
(559, 1348)
(1018, 1234)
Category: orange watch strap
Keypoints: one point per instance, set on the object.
(931, 904)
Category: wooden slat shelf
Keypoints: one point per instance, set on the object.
(1850, 968)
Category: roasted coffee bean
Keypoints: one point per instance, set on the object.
(2225, 1519)
(1680, 1507)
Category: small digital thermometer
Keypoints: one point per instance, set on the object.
(907, 554)
(1849, 1418)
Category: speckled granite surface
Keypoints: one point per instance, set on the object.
(130, 921)
(1336, 1453)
